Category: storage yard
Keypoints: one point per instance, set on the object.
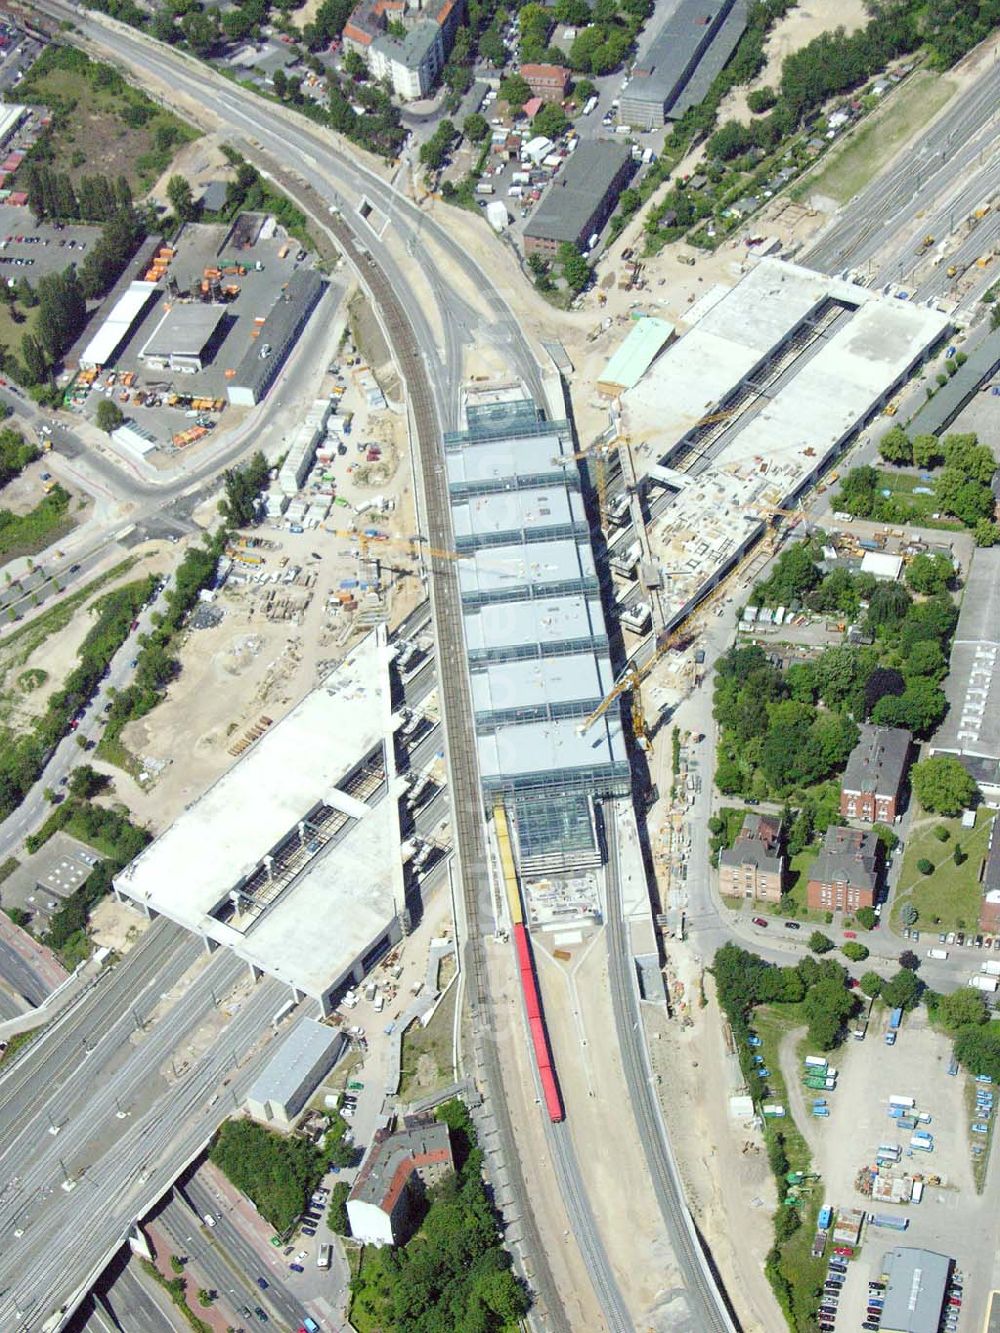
(208, 322)
(906, 1162)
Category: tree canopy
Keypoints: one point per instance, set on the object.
(941, 784)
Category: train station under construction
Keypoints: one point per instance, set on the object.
(292, 858)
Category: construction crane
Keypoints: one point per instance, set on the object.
(631, 679)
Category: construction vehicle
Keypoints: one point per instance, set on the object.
(925, 245)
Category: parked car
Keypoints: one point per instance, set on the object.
(759, 921)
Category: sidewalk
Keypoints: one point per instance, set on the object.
(42, 961)
(162, 1249)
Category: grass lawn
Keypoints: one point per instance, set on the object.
(427, 1052)
(11, 333)
(799, 1277)
(864, 153)
(100, 124)
(949, 898)
(27, 534)
(798, 879)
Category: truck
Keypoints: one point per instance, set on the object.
(825, 1217)
(917, 1192)
(895, 1019)
(907, 1122)
(937, 953)
(815, 1062)
(987, 984)
(905, 1103)
(889, 1150)
(821, 1112)
(589, 105)
(773, 1110)
(921, 1142)
(484, 188)
(991, 968)
(889, 1221)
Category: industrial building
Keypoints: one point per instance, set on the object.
(745, 411)
(11, 116)
(989, 905)
(278, 335)
(937, 414)
(292, 857)
(535, 635)
(126, 315)
(293, 1073)
(677, 71)
(645, 341)
(186, 338)
(581, 199)
(971, 729)
(380, 1206)
(917, 1283)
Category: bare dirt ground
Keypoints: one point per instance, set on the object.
(558, 1241)
(722, 1163)
(115, 926)
(799, 26)
(201, 162)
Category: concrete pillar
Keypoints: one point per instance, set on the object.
(209, 944)
(302, 832)
(269, 867)
(255, 972)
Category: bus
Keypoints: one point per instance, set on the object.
(323, 1257)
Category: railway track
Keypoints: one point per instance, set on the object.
(460, 731)
(709, 1309)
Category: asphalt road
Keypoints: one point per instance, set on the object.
(120, 1166)
(133, 1306)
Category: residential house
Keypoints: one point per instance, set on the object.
(754, 867)
(845, 875)
(381, 1202)
(872, 786)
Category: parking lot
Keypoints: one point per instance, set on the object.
(32, 249)
(950, 1218)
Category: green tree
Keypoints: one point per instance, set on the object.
(855, 951)
(895, 446)
(85, 782)
(930, 573)
(176, 1263)
(108, 416)
(551, 121)
(820, 943)
(977, 1048)
(514, 91)
(337, 1219)
(871, 983)
(987, 532)
(902, 991)
(181, 198)
(242, 489)
(206, 1297)
(866, 918)
(476, 128)
(575, 268)
(942, 785)
(927, 451)
(964, 1007)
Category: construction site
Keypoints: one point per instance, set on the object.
(736, 420)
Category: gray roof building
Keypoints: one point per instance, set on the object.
(184, 337)
(758, 843)
(213, 196)
(294, 1071)
(413, 49)
(278, 334)
(939, 412)
(582, 197)
(849, 856)
(915, 1292)
(877, 764)
(686, 55)
(971, 729)
(378, 1205)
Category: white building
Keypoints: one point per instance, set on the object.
(411, 63)
(379, 1204)
(121, 323)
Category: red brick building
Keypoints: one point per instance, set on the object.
(876, 771)
(845, 875)
(549, 82)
